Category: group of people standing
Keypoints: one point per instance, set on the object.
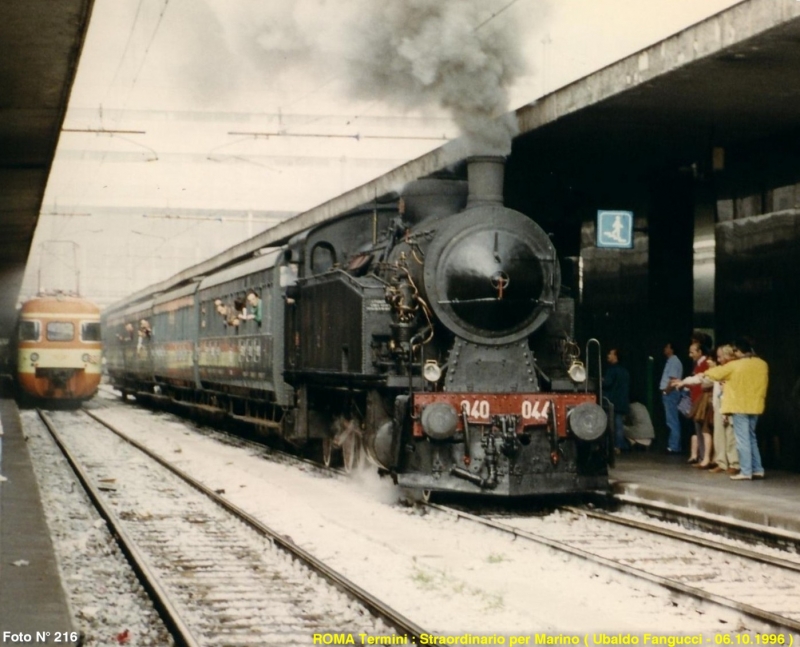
(723, 397)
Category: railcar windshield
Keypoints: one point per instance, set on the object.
(60, 331)
(29, 331)
(90, 331)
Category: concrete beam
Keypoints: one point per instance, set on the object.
(724, 30)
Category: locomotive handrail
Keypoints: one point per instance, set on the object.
(599, 370)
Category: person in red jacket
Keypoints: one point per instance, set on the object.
(746, 380)
(701, 441)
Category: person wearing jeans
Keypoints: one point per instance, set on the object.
(670, 396)
(670, 401)
(744, 426)
(746, 379)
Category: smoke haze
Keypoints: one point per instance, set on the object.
(449, 53)
(457, 55)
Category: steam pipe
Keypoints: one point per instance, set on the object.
(420, 336)
(465, 420)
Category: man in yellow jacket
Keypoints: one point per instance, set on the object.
(746, 380)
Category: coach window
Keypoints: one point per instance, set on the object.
(60, 331)
(90, 331)
(29, 331)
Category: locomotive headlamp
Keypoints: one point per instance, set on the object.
(439, 420)
(577, 371)
(34, 357)
(588, 421)
(431, 371)
(85, 357)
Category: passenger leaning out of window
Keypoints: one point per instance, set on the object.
(254, 307)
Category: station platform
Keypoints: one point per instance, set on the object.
(32, 597)
(670, 482)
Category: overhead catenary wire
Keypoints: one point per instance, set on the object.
(495, 14)
(113, 81)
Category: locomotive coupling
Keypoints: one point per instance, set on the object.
(490, 455)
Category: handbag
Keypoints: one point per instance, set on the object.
(685, 404)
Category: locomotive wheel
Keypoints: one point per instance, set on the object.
(331, 455)
(351, 452)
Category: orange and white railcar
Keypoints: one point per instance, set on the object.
(59, 348)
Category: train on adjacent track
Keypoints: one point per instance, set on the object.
(57, 349)
(426, 330)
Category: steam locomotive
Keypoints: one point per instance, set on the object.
(58, 349)
(425, 331)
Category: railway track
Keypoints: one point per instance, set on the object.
(757, 585)
(217, 575)
(255, 447)
(685, 581)
(748, 532)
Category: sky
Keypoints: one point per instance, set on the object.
(194, 124)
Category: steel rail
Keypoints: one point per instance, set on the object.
(672, 585)
(268, 452)
(737, 527)
(176, 625)
(691, 539)
(377, 607)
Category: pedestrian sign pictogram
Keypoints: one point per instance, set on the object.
(615, 229)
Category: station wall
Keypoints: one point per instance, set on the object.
(712, 250)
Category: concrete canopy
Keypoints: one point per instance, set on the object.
(729, 81)
(40, 43)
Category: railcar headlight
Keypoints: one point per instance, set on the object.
(588, 421)
(34, 357)
(577, 372)
(439, 420)
(86, 357)
(431, 371)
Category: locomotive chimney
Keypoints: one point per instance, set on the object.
(485, 174)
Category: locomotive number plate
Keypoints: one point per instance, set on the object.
(532, 412)
(532, 409)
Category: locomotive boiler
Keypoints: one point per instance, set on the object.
(426, 332)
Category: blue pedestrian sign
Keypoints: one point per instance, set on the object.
(615, 229)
